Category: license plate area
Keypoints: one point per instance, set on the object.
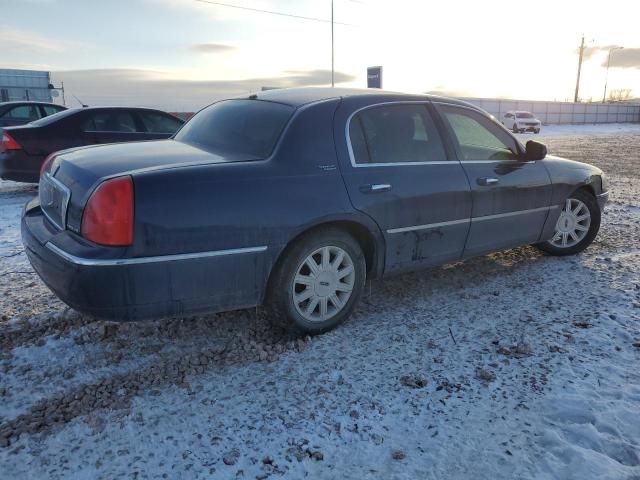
(54, 200)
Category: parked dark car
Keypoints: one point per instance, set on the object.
(23, 149)
(292, 199)
(21, 113)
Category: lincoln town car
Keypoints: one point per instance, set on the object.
(293, 199)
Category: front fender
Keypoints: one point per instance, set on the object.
(567, 176)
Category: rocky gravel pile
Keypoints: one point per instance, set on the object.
(258, 341)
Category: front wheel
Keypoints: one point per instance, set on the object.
(576, 227)
(318, 282)
(536, 131)
(515, 128)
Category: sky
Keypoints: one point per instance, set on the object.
(181, 55)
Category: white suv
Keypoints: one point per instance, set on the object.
(520, 122)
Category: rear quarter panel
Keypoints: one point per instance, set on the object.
(246, 204)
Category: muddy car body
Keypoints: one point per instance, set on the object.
(293, 201)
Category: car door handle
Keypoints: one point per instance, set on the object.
(487, 181)
(375, 188)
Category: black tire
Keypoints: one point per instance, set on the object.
(281, 309)
(594, 210)
(515, 128)
(536, 131)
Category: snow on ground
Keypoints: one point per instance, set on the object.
(511, 365)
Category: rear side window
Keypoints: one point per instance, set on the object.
(110, 122)
(158, 123)
(395, 134)
(237, 128)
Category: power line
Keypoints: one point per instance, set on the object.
(271, 12)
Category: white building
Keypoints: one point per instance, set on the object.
(24, 85)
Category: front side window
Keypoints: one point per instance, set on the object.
(158, 123)
(402, 133)
(239, 129)
(50, 109)
(110, 122)
(25, 113)
(478, 137)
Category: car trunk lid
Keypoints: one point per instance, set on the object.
(74, 173)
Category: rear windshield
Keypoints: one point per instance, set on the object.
(524, 115)
(240, 129)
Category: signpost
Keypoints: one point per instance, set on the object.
(374, 77)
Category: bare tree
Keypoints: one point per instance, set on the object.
(619, 94)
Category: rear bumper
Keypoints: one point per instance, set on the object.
(93, 281)
(16, 165)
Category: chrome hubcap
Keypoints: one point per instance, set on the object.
(323, 283)
(573, 224)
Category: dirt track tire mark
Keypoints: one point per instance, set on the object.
(116, 392)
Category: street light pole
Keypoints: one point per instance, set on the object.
(606, 78)
(332, 55)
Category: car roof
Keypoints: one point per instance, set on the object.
(28, 102)
(84, 109)
(298, 97)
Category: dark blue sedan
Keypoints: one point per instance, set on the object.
(24, 148)
(292, 199)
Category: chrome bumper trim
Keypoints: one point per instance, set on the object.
(90, 262)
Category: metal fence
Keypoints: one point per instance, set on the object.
(562, 112)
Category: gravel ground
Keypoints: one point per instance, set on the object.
(511, 365)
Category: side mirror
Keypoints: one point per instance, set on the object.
(535, 150)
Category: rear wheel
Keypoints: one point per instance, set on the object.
(576, 227)
(318, 282)
(515, 128)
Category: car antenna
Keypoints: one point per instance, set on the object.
(80, 101)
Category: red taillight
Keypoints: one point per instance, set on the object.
(46, 163)
(108, 215)
(8, 143)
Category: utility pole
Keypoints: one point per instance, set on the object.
(606, 78)
(575, 97)
(332, 55)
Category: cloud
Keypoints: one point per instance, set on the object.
(211, 48)
(444, 91)
(26, 40)
(625, 58)
(135, 87)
